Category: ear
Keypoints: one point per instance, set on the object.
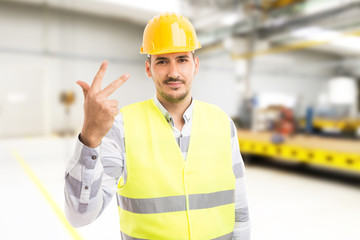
(147, 68)
(196, 60)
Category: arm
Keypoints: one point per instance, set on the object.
(92, 175)
(242, 221)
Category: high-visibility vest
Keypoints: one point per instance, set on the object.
(167, 197)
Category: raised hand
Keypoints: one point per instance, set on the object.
(99, 111)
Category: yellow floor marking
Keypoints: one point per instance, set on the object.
(46, 195)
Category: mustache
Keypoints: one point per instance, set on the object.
(170, 79)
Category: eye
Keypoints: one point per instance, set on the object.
(160, 62)
(182, 60)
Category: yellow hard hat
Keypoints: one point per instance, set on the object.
(168, 33)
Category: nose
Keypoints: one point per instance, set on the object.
(173, 70)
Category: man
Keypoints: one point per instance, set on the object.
(172, 186)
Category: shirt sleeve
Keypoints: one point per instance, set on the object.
(92, 175)
(242, 220)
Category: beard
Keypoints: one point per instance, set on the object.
(172, 97)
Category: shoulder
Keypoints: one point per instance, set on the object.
(214, 109)
(136, 105)
(209, 106)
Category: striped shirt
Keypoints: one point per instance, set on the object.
(92, 174)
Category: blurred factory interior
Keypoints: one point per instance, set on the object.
(286, 71)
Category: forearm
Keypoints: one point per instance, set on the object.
(79, 212)
(88, 187)
(82, 184)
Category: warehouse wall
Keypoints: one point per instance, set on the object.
(216, 81)
(45, 51)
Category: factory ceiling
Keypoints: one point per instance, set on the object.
(320, 25)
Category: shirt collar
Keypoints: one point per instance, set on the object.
(187, 114)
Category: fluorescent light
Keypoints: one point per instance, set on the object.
(153, 5)
(315, 33)
(335, 38)
(230, 19)
(348, 42)
(315, 6)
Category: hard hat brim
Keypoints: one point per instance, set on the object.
(168, 50)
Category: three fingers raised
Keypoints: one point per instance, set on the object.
(114, 85)
(96, 84)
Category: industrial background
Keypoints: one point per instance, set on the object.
(286, 71)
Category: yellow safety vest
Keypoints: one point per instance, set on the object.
(165, 197)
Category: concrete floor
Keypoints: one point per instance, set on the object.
(284, 204)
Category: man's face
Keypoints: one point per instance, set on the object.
(173, 74)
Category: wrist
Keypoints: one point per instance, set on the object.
(91, 142)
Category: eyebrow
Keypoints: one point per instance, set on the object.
(183, 56)
(161, 58)
(165, 59)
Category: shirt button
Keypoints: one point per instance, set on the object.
(93, 157)
(86, 187)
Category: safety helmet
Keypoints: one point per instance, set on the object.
(168, 33)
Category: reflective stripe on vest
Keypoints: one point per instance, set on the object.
(224, 237)
(175, 203)
(167, 197)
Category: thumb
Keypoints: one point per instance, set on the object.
(85, 87)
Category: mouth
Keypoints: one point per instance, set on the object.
(174, 84)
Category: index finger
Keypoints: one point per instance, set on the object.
(96, 84)
(114, 85)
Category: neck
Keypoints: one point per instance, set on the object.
(177, 109)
